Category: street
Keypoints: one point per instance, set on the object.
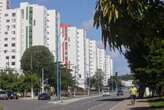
(96, 103)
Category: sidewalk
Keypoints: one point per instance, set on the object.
(141, 104)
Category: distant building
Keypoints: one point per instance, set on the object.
(65, 44)
(72, 51)
(108, 69)
(91, 59)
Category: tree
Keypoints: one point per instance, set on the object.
(144, 24)
(34, 60)
(67, 79)
(112, 16)
(97, 80)
(37, 58)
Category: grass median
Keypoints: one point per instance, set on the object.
(1, 108)
(157, 103)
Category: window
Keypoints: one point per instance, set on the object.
(13, 50)
(13, 26)
(34, 22)
(6, 32)
(5, 39)
(12, 63)
(7, 27)
(13, 57)
(13, 38)
(13, 44)
(5, 45)
(13, 14)
(6, 14)
(13, 20)
(13, 32)
(7, 57)
(7, 20)
(5, 51)
(22, 13)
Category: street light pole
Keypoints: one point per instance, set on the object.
(57, 68)
(116, 81)
(75, 81)
(42, 80)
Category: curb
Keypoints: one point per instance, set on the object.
(68, 101)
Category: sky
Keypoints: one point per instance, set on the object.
(80, 13)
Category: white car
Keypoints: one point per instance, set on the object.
(3, 95)
(106, 93)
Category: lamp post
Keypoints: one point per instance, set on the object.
(116, 73)
(57, 68)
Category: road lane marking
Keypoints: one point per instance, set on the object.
(99, 105)
(112, 108)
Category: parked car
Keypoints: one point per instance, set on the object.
(120, 92)
(44, 96)
(12, 95)
(3, 95)
(106, 93)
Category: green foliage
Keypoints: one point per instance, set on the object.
(35, 58)
(19, 83)
(6, 80)
(138, 16)
(137, 26)
(157, 104)
(67, 79)
(97, 80)
(126, 77)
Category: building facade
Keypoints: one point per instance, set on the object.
(73, 51)
(26, 26)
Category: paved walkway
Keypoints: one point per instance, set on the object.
(141, 104)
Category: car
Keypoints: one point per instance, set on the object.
(12, 95)
(3, 95)
(106, 93)
(44, 96)
(120, 92)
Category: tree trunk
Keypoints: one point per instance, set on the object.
(32, 92)
(141, 90)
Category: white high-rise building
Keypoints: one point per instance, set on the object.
(4, 5)
(108, 69)
(91, 60)
(9, 40)
(101, 59)
(27, 26)
(76, 53)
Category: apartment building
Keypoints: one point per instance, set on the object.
(101, 59)
(108, 68)
(73, 51)
(27, 26)
(91, 58)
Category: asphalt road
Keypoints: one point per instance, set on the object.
(97, 103)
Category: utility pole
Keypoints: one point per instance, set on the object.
(42, 80)
(116, 81)
(57, 68)
(89, 80)
(32, 88)
(74, 92)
